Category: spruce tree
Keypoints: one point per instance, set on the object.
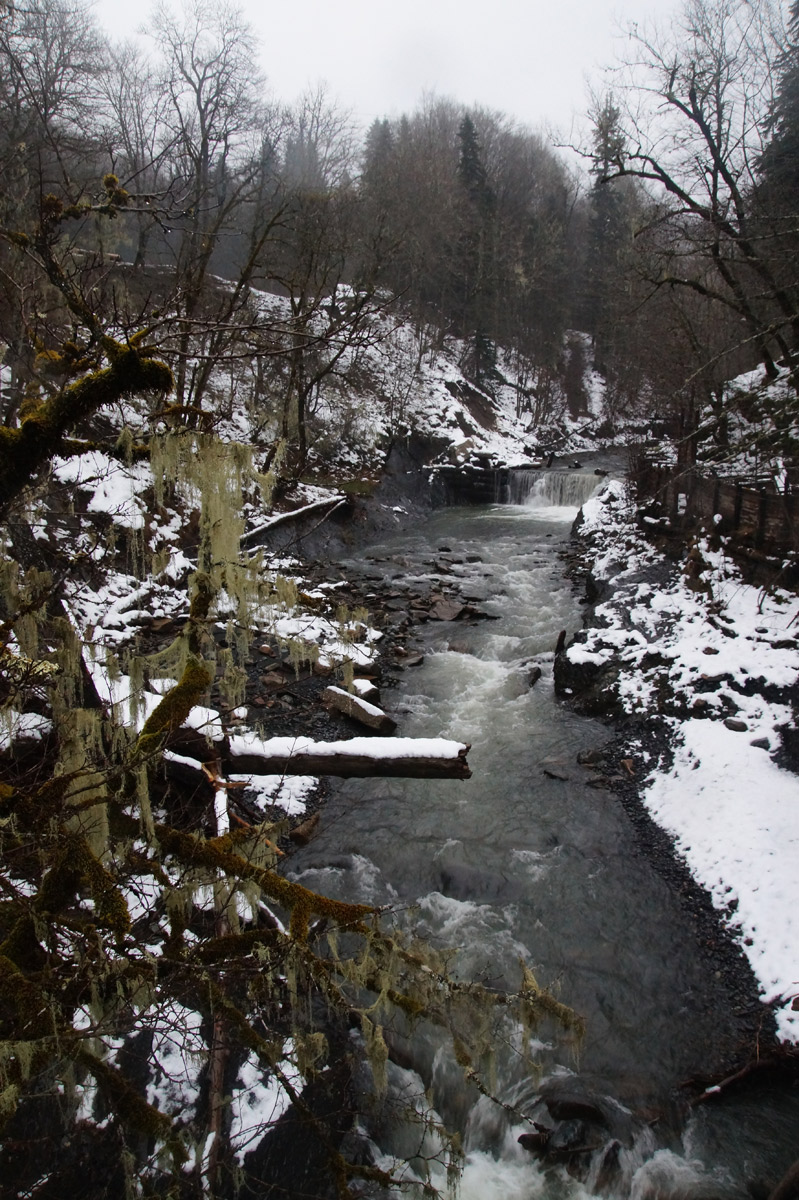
(779, 163)
(609, 234)
(477, 268)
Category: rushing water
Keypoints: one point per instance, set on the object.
(515, 863)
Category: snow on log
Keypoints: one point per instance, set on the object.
(353, 758)
(316, 506)
(358, 710)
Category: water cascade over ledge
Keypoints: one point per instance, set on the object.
(549, 488)
(564, 487)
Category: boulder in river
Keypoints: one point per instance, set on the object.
(445, 609)
(567, 1099)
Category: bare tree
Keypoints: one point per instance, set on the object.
(137, 142)
(324, 263)
(694, 102)
(52, 63)
(221, 138)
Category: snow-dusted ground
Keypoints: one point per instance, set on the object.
(689, 649)
(408, 385)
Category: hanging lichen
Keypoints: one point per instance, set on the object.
(131, 897)
(9, 1099)
(376, 1053)
(81, 757)
(267, 480)
(232, 681)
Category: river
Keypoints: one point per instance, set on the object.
(516, 863)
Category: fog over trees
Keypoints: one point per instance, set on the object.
(472, 225)
(153, 201)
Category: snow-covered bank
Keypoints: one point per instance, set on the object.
(717, 659)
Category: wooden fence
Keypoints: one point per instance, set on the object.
(759, 517)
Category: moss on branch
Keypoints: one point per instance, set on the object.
(137, 452)
(126, 1103)
(26, 450)
(219, 854)
(74, 867)
(174, 709)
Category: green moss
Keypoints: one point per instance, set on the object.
(117, 196)
(538, 1002)
(9, 1098)
(51, 207)
(24, 451)
(33, 811)
(24, 1009)
(174, 709)
(110, 907)
(73, 868)
(124, 1101)
(22, 945)
(217, 853)
(229, 947)
(61, 883)
(203, 592)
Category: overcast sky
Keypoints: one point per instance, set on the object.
(528, 58)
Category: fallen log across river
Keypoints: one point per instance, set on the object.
(353, 758)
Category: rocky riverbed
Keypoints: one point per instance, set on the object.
(640, 742)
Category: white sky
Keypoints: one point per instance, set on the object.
(527, 58)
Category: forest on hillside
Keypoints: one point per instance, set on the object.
(213, 297)
(156, 187)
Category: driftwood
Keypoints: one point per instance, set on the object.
(302, 834)
(788, 1187)
(358, 710)
(385, 758)
(782, 1062)
(326, 506)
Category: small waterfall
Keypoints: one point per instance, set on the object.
(551, 489)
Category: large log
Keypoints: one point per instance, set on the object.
(296, 514)
(356, 758)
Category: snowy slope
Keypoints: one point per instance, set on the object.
(721, 662)
(401, 383)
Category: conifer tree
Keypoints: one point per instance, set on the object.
(609, 237)
(477, 261)
(779, 163)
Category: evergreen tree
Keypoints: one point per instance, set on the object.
(609, 237)
(779, 163)
(378, 155)
(477, 254)
(471, 170)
